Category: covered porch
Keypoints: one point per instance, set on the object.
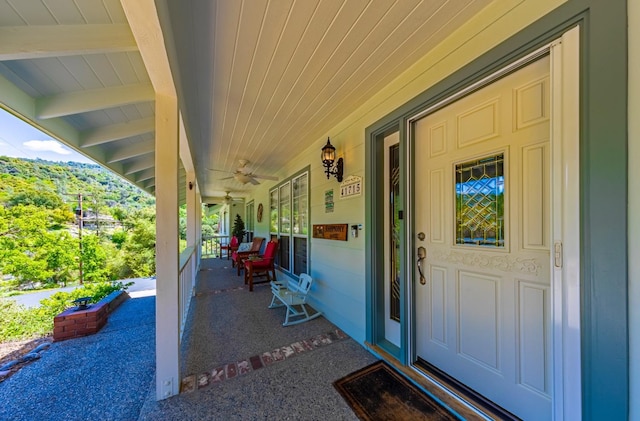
(231, 330)
(230, 102)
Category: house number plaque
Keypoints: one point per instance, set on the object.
(350, 187)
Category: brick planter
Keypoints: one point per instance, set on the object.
(74, 324)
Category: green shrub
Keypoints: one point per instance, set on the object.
(18, 322)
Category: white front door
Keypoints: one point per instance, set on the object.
(483, 201)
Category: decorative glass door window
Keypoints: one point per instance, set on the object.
(480, 202)
(394, 225)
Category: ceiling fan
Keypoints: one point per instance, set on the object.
(228, 199)
(244, 175)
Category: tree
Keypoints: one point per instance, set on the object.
(61, 257)
(139, 249)
(94, 259)
(209, 225)
(36, 197)
(119, 237)
(238, 228)
(30, 250)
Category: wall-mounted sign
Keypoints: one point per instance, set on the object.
(328, 201)
(330, 231)
(351, 186)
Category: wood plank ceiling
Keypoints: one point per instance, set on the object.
(259, 80)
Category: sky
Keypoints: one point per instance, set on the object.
(20, 140)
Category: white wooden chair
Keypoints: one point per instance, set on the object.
(293, 295)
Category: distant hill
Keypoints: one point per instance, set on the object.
(66, 179)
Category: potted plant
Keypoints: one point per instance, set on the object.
(238, 228)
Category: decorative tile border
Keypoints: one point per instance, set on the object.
(240, 368)
(220, 291)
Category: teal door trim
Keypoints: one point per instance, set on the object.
(374, 244)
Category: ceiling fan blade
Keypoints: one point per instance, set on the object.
(226, 178)
(254, 181)
(213, 169)
(265, 177)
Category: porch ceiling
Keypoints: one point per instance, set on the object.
(259, 80)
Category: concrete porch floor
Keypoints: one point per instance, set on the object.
(110, 375)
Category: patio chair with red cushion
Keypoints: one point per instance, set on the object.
(230, 248)
(238, 257)
(263, 265)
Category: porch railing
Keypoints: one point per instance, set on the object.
(210, 247)
(187, 277)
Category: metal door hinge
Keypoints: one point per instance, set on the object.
(557, 254)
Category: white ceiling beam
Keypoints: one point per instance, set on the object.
(185, 151)
(212, 199)
(18, 103)
(92, 100)
(106, 134)
(23, 106)
(145, 175)
(29, 42)
(150, 183)
(132, 151)
(142, 16)
(140, 165)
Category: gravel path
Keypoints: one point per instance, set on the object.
(106, 376)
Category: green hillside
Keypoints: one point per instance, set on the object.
(67, 179)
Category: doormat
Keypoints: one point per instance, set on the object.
(378, 392)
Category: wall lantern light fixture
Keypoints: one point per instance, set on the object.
(328, 158)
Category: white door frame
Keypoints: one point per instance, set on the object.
(565, 281)
(565, 276)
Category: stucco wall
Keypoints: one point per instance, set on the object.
(338, 267)
(634, 206)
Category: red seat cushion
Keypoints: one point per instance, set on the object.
(258, 264)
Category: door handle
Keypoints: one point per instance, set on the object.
(422, 254)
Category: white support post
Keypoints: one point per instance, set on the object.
(167, 249)
(198, 229)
